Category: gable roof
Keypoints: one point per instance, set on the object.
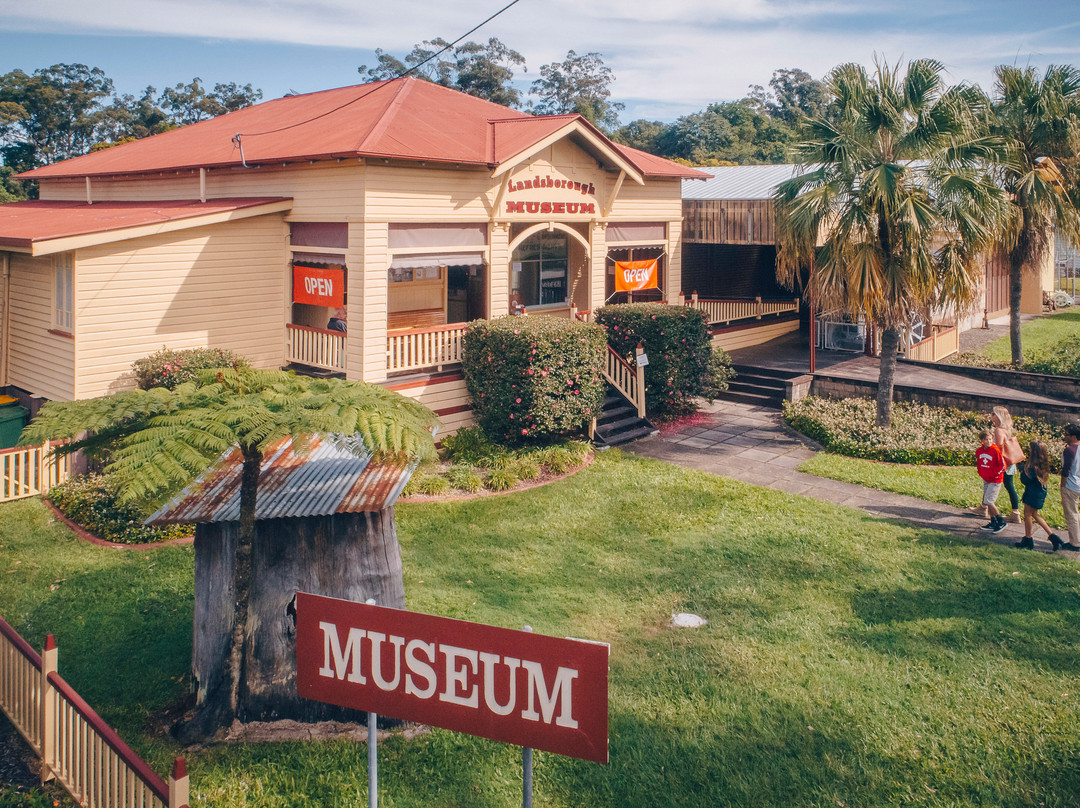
(408, 119)
(41, 227)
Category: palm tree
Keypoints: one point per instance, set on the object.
(157, 441)
(893, 188)
(1039, 122)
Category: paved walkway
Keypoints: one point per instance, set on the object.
(752, 444)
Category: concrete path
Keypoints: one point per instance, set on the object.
(752, 444)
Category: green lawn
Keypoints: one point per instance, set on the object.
(1042, 332)
(958, 486)
(847, 661)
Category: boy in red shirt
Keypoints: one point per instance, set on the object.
(991, 466)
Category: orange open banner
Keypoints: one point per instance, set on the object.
(318, 286)
(633, 276)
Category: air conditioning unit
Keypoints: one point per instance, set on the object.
(843, 336)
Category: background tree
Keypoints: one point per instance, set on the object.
(1039, 121)
(50, 115)
(191, 103)
(157, 441)
(481, 70)
(894, 184)
(580, 84)
(733, 132)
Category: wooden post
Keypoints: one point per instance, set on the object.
(179, 788)
(693, 298)
(639, 372)
(48, 715)
(757, 301)
(682, 298)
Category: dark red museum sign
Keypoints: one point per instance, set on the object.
(512, 686)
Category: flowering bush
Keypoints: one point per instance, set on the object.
(681, 360)
(533, 378)
(91, 501)
(169, 368)
(919, 434)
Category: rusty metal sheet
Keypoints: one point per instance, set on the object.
(334, 475)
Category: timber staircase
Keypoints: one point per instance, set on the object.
(757, 385)
(619, 422)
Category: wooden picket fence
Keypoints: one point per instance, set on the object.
(943, 341)
(75, 745)
(31, 471)
(734, 310)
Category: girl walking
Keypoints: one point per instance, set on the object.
(1033, 474)
(1005, 439)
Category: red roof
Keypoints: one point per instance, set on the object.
(406, 119)
(22, 224)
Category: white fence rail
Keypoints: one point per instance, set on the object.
(418, 348)
(628, 379)
(736, 309)
(75, 745)
(31, 471)
(315, 347)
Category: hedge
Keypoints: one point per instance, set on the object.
(919, 434)
(532, 379)
(677, 342)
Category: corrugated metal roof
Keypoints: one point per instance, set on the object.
(405, 119)
(330, 477)
(739, 182)
(22, 224)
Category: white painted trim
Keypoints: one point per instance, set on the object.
(536, 228)
(573, 127)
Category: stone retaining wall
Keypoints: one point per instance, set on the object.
(1063, 387)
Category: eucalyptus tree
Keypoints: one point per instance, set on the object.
(155, 442)
(894, 189)
(1039, 123)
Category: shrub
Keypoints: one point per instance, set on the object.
(559, 459)
(919, 434)
(676, 340)
(533, 378)
(501, 479)
(527, 467)
(720, 372)
(91, 501)
(1060, 359)
(470, 445)
(465, 478)
(429, 484)
(169, 368)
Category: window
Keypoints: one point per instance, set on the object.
(63, 318)
(538, 274)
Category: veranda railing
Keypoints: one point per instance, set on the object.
(733, 310)
(315, 347)
(75, 745)
(418, 348)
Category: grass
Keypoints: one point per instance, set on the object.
(1036, 335)
(847, 660)
(950, 485)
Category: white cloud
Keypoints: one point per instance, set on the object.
(670, 57)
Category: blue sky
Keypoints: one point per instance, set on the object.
(669, 58)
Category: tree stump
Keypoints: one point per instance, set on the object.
(352, 556)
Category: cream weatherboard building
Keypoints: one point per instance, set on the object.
(402, 208)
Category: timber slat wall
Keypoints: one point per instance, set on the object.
(728, 221)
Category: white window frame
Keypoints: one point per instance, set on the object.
(63, 293)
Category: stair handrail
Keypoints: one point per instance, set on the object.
(628, 380)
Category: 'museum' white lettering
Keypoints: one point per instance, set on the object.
(460, 678)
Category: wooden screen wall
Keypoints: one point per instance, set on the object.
(728, 221)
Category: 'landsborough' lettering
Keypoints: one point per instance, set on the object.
(547, 182)
(463, 677)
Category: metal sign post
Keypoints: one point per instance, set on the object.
(372, 751)
(526, 765)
